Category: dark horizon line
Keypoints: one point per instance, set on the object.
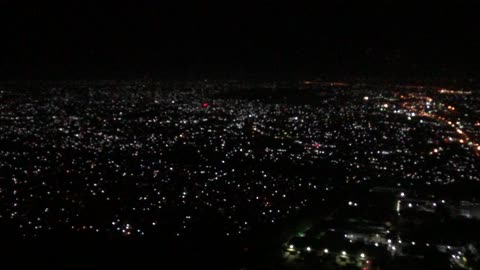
(427, 81)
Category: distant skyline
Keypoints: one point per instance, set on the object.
(267, 38)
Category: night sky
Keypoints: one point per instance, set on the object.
(85, 39)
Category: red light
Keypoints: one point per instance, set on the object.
(205, 105)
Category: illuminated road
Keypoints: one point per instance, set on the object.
(419, 110)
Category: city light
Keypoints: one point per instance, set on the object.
(159, 164)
